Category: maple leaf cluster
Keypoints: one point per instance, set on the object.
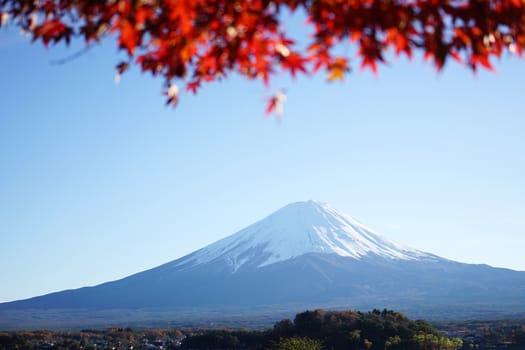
(198, 41)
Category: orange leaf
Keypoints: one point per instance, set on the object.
(337, 69)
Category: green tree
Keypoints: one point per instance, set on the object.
(299, 343)
(392, 341)
(355, 336)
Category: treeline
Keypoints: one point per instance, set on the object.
(319, 329)
(312, 330)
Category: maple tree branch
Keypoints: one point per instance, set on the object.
(208, 39)
(72, 57)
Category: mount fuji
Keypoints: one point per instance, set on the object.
(306, 254)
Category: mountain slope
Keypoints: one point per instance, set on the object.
(306, 253)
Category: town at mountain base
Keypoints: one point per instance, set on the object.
(304, 255)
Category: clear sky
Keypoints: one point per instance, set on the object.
(99, 181)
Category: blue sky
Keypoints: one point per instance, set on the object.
(99, 181)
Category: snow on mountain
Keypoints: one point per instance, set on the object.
(297, 229)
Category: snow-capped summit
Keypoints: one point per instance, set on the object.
(297, 229)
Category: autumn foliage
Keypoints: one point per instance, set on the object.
(191, 42)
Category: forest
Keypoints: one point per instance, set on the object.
(354, 330)
(313, 330)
